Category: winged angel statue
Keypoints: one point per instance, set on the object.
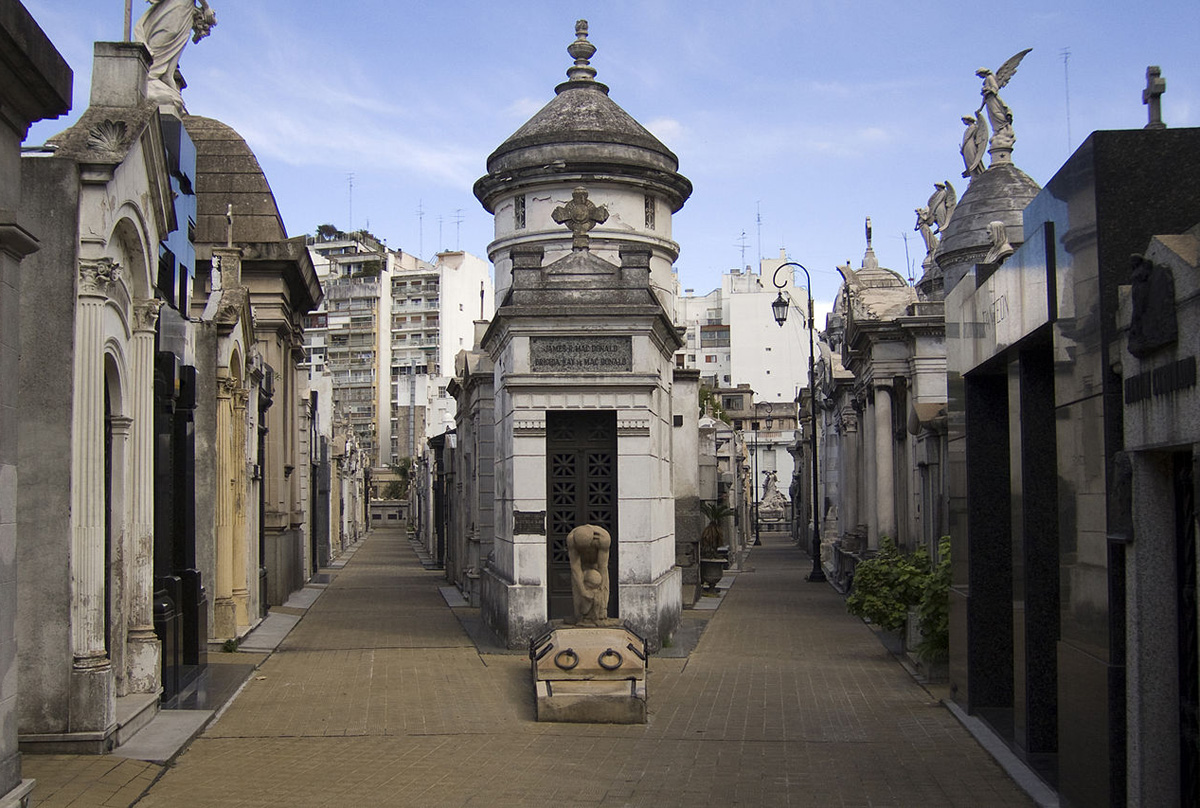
(975, 139)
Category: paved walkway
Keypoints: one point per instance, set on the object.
(378, 696)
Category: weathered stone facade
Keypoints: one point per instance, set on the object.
(35, 83)
(86, 627)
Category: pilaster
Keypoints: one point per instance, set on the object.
(224, 622)
(144, 647)
(91, 680)
(241, 592)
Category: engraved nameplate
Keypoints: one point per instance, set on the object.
(581, 354)
(529, 523)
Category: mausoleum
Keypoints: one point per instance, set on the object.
(582, 344)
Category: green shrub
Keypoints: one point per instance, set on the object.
(887, 586)
(935, 609)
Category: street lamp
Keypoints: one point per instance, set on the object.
(757, 404)
(779, 309)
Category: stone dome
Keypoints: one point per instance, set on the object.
(998, 194)
(228, 173)
(582, 132)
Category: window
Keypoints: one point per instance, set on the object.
(710, 358)
(649, 212)
(519, 212)
(731, 402)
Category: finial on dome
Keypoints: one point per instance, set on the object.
(581, 51)
(869, 259)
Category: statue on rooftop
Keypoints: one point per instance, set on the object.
(999, 114)
(999, 248)
(165, 29)
(974, 144)
(941, 204)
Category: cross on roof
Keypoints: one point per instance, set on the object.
(580, 215)
(1156, 85)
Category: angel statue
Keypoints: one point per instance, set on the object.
(974, 144)
(165, 29)
(998, 112)
(941, 204)
(924, 226)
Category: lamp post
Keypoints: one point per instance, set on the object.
(757, 404)
(779, 309)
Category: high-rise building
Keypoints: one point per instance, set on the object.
(387, 333)
(732, 338)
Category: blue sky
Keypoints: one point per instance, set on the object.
(809, 115)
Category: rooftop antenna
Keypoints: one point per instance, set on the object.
(1066, 57)
(741, 242)
(420, 228)
(481, 300)
(441, 245)
(350, 182)
(758, 220)
(458, 220)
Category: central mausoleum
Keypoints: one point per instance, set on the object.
(586, 402)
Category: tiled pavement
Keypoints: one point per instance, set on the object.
(379, 697)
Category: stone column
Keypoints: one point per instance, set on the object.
(224, 620)
(885, 509)
(848, 484)
(241, 590)
(143, 653)
(92, 705)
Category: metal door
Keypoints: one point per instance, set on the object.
(581, 489)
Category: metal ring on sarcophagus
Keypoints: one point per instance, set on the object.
(572, 661)
(604, 660)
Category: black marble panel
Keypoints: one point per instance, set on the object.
(989, 613)
(1035, 561)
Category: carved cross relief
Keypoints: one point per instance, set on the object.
(580, 215)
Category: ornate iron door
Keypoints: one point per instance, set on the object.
(581, 489)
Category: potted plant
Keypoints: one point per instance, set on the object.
(886, 586)
(712, 564)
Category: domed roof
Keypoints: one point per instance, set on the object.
(228, 173)
(582, 130)
(998, 194)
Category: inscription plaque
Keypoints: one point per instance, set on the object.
(581, 354)
(530, 523)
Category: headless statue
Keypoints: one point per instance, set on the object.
(588, 547)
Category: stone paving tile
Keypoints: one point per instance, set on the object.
(87, 781)
(378, 698)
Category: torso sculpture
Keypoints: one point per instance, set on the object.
(588, 548)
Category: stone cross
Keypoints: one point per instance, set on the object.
(580, 215)
(1156, 85)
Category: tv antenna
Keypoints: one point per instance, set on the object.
(741, 242)
(350, 182)
(458, 220)
(420, 229)
(1066, 57)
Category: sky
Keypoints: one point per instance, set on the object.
(794, 120)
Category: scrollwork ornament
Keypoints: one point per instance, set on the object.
(145, 314)
(227, 386)
(96, 276)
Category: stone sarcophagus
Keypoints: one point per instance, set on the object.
(590, 676)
